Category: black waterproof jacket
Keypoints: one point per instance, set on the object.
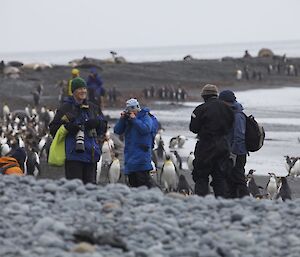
(211, 121)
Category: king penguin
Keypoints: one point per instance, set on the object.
(168, 176)
(190, 160)
(114, 172)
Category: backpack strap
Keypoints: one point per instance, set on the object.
(3, 169)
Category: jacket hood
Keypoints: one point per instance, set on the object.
(236, 106)
(143, 111)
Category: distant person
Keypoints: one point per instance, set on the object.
(211, 121)
(135, 123)
(236, 138)
(96, 91)
(85, 124)
(36, 98)
(75, 73)
(246, 54)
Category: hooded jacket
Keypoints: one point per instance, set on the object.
(138, 141)
(82, 113)
(236, 136)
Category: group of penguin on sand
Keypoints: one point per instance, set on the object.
(170, 179)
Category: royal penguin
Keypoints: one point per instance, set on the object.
(176, 159)
(114, 171)
(272, 187)
(160, 150)
(288, 163)
(181, 140)
(252, 186)
(183, 186)
(173, 142)
(168, 176)
(295, 169)
(284, 191)
(190, 160)
(107, 149)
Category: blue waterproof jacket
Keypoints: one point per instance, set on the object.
(138, 141)
(82, 113)
(95, 84)
(237, 134)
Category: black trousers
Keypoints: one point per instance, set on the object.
(140, 178)
(81, 170)
(236, 179)
(218, 169)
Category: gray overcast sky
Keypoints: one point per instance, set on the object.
(38, 25)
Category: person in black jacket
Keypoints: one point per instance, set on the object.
(85, 124)
(211, 121)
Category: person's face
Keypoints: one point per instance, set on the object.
(80, 94)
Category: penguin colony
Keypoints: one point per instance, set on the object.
(28, 128)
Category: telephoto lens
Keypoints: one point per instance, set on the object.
(79, 147)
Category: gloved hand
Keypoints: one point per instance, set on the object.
(92, 123)
(72, 127)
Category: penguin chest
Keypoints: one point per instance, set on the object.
(114, 171)
(169, 175)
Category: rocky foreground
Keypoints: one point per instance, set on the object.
(65, 218)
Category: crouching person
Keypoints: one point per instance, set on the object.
(136, 124)
(85, 124)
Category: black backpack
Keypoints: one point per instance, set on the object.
(255, 134)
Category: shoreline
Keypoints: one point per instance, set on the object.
(130, 79)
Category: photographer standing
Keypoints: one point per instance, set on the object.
(211, 121)
(137, 126)
(85, 124)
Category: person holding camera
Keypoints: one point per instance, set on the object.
(211, 121)
(85, 124)
(136, 124)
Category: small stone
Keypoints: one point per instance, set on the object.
(84, 247)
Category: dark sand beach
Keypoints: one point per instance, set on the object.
(131, 78)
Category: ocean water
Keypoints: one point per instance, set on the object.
(166, 53)
(278, 110)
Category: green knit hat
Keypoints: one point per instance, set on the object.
(77, 83)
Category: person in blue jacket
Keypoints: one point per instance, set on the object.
(135, 123)
(95, 87)
(236, 138)
(85, 124)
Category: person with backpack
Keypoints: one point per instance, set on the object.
(138, 126)
(236, 138)
(211, 121)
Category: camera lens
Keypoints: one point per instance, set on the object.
(79, 147)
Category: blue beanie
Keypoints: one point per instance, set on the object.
(227, 96)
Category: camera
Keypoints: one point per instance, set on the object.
(79, 141)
